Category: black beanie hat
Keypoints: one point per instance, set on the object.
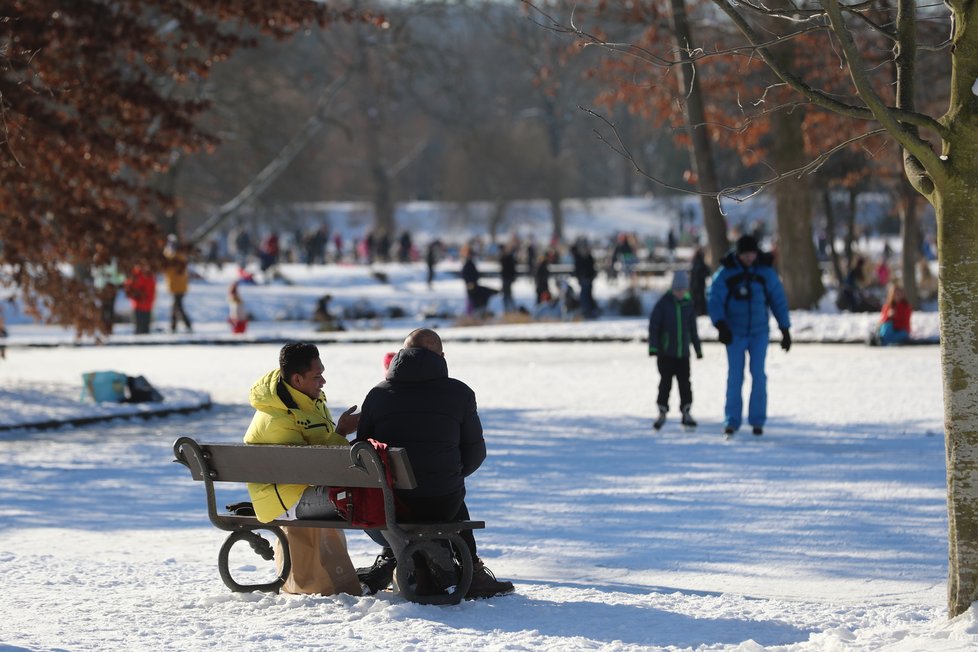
(747, 243)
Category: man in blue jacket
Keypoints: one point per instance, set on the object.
(744, 288)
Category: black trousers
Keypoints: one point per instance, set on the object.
(678, 368)
(450, 507)
(178, 313)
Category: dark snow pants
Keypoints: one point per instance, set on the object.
(678, 368)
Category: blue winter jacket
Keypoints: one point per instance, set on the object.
(672, 327)
(741, 296)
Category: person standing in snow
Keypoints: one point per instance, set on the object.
(176, 270)
(434, 418)
(237, 311)
(140, 287)
(743, 290)
(672, 328)
(699, 271)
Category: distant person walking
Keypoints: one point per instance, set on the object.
(699, 271)
(672, 328)
(107, 279)
(744, 289)
(237, 311)
(585, 271)
(431, 260)
(140, 287)
(541, 279)
(507, 274)
(470, 276)
(3, 335)
(176, 270)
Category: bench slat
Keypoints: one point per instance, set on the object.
(338, 523)
(312, 465)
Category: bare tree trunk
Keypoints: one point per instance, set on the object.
(797, 260)
(909, 237)
(851, 235)
(956, 235)
(499, 208)
(830, 236)
(701, 151)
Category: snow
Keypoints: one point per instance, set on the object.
(827, 533)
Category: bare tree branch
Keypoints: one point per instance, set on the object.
(903, 133)
(732, 192)
(820, 98)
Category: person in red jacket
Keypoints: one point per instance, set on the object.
(894, 325)
(140, 287)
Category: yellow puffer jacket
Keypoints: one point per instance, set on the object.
(177, 273)
(308, 424)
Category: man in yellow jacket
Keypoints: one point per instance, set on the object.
(290, 409)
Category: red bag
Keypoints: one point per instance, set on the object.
(364, 506)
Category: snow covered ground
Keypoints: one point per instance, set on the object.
(827, 533)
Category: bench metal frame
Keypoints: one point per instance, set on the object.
(358, 466)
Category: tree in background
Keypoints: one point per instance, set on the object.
(939, 142)
(95, 99)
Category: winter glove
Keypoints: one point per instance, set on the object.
(699, 355)
(652, 351)
(726, 337)
(785, 339)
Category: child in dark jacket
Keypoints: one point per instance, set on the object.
(672, 328)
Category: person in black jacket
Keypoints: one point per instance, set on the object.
(507, 273)
(672, 328)
(435, 419)
(699, 271)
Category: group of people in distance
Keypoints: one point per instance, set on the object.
(743, 290)
(417, 407)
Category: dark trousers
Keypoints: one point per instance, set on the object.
(178, 313)
(446, 508)
(678, 368)
(144, 319)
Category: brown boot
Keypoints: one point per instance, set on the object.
(484, 583)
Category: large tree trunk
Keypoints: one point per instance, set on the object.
(700, 149)
(797, 260)
(957, 233)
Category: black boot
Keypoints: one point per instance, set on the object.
(484, 583)
(379, 576)
(661, 420)
(688, 419)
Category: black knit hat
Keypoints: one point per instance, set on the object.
(747, 243)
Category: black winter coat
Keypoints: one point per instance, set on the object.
(434, 417)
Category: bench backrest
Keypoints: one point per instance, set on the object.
(333, 466)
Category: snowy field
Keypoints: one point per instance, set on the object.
(827, 533)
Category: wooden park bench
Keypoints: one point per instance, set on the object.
(333, 466)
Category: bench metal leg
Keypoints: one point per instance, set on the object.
(434, 552)
(262, 547)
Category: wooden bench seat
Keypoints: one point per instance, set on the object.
(333, 466)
